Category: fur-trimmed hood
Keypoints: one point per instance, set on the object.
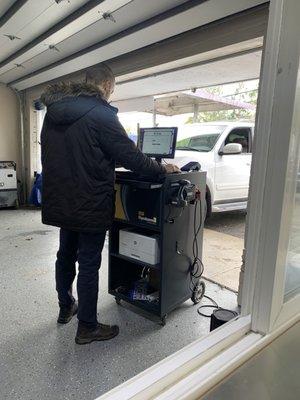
(61, 90)
(69, 101)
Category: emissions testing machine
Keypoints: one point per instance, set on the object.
(155, 243)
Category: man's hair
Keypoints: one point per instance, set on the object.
(98, 74)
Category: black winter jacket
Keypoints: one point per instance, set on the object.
(81, 140)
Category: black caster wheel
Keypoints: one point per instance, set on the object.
(118, 301)
(163, 320)
(198, 292)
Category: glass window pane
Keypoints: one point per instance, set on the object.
(292, 282)
(292, 277)
(240, 136)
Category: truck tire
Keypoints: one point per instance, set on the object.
(207, 206)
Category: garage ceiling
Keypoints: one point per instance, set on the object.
(44, 40)
(138, 94)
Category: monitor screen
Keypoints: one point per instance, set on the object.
(158, 142)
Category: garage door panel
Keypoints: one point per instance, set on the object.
(190, 15)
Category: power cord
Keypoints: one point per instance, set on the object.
(197, 260)
(171, 219)
(214, 305)
(196, 265)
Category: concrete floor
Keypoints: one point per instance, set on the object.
(231, 223)
(39, 359)
(223, 244)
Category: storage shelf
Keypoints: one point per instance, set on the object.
(134, 261)
(139, 225)
(153, 308)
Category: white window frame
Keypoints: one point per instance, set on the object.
(193, 370)
(156, 379)
(267, 242)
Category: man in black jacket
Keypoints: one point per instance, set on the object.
(82, 139)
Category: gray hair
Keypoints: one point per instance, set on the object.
(98, 74)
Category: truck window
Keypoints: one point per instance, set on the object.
(241, 136)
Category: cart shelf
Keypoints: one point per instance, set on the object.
(150, 307)
(134, 261)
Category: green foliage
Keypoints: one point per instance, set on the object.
(127, 129)
(240, 93)
(183, 142)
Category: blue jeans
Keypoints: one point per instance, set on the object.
(86, 248)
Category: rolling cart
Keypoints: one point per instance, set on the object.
(162, 211)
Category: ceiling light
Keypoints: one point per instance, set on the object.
(53, 47)
(12, 37)
(108, 16)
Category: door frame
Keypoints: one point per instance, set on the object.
(266, 236)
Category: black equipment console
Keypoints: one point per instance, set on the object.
(182, 193)
(167, 215)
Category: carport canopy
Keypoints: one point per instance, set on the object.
(195, 101)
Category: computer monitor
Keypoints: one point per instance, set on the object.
(158, 142)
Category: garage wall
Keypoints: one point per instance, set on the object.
(9, 126)
(32, 127)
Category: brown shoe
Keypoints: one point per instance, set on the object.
(102, 332)
(67, 313)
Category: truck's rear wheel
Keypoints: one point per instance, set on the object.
(207, 206)
(205, 210)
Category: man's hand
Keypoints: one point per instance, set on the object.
(172, 169)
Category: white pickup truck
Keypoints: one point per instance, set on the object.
(224, 150)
